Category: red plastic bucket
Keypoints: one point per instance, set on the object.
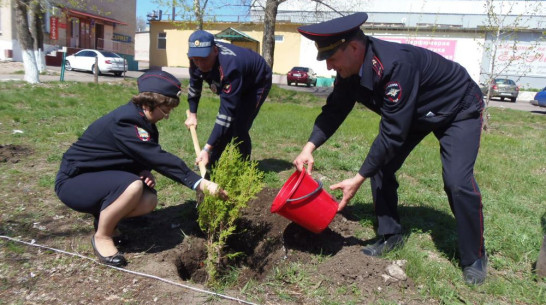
(303, 201)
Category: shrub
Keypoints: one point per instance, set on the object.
(242, 180)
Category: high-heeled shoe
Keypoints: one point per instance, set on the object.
(116, 260)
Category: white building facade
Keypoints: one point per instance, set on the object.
(459, 30)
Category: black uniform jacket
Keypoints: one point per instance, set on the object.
(237, 71)
(413, 89)
(124, 140)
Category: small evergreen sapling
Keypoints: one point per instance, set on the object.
(242, 180)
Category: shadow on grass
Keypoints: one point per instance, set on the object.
(439, 225)
(327, 242)
(158, 231)
(274, 165)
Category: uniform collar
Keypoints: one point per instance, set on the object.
(367, 69)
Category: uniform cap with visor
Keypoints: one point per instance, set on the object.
(330, 35)
(159, 82)
(200, 44)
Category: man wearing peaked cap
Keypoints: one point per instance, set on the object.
(107, 171)
(416, 92)
(242, 80)
(330, 35)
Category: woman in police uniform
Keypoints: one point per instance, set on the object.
(107, 171)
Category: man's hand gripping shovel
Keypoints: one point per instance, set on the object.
(202, 168)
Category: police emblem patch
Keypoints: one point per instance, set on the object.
(143, 134)
(393, 92)
(227, 88)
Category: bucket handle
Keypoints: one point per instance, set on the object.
(308, 195)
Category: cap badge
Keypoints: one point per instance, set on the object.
(196, 43)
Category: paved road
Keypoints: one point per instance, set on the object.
(13, 71)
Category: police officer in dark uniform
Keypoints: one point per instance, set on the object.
(107, 171)
(240, 77)
(416, 92)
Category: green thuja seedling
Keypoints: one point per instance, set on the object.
(242, 180)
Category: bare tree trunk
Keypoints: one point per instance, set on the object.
(26, 41)
(198, 15)
(37, 30)
(199, 11)
(270, 18)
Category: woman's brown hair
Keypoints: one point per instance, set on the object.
(152, 100)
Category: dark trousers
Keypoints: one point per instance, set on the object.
(246, 113)
(459, 143)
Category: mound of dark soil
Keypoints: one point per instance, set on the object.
(268, 240)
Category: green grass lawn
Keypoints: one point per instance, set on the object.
(510, 170)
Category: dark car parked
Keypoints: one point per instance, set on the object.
(301, 75)
(502, 88)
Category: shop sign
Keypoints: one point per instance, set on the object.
(121, 38)
(53, 29)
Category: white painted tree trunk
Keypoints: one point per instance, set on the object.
(39, 55)
(31, 69)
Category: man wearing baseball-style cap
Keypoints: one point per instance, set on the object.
(416, 92)
(107, 171)
(242, 80)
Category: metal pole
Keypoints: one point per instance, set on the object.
(63, 66)
(96, 70)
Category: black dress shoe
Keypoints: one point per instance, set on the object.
(384, 244)
(475, 273)
(116, 260)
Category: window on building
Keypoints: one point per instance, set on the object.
(279, 38)
(162, 41)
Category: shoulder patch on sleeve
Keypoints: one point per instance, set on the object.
(143, 134)
(227, 88)
(393, 92)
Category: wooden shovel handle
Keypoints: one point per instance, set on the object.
(196, 146)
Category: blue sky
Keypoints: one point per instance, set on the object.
(147, 6)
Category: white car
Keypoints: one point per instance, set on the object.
(109, 62)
